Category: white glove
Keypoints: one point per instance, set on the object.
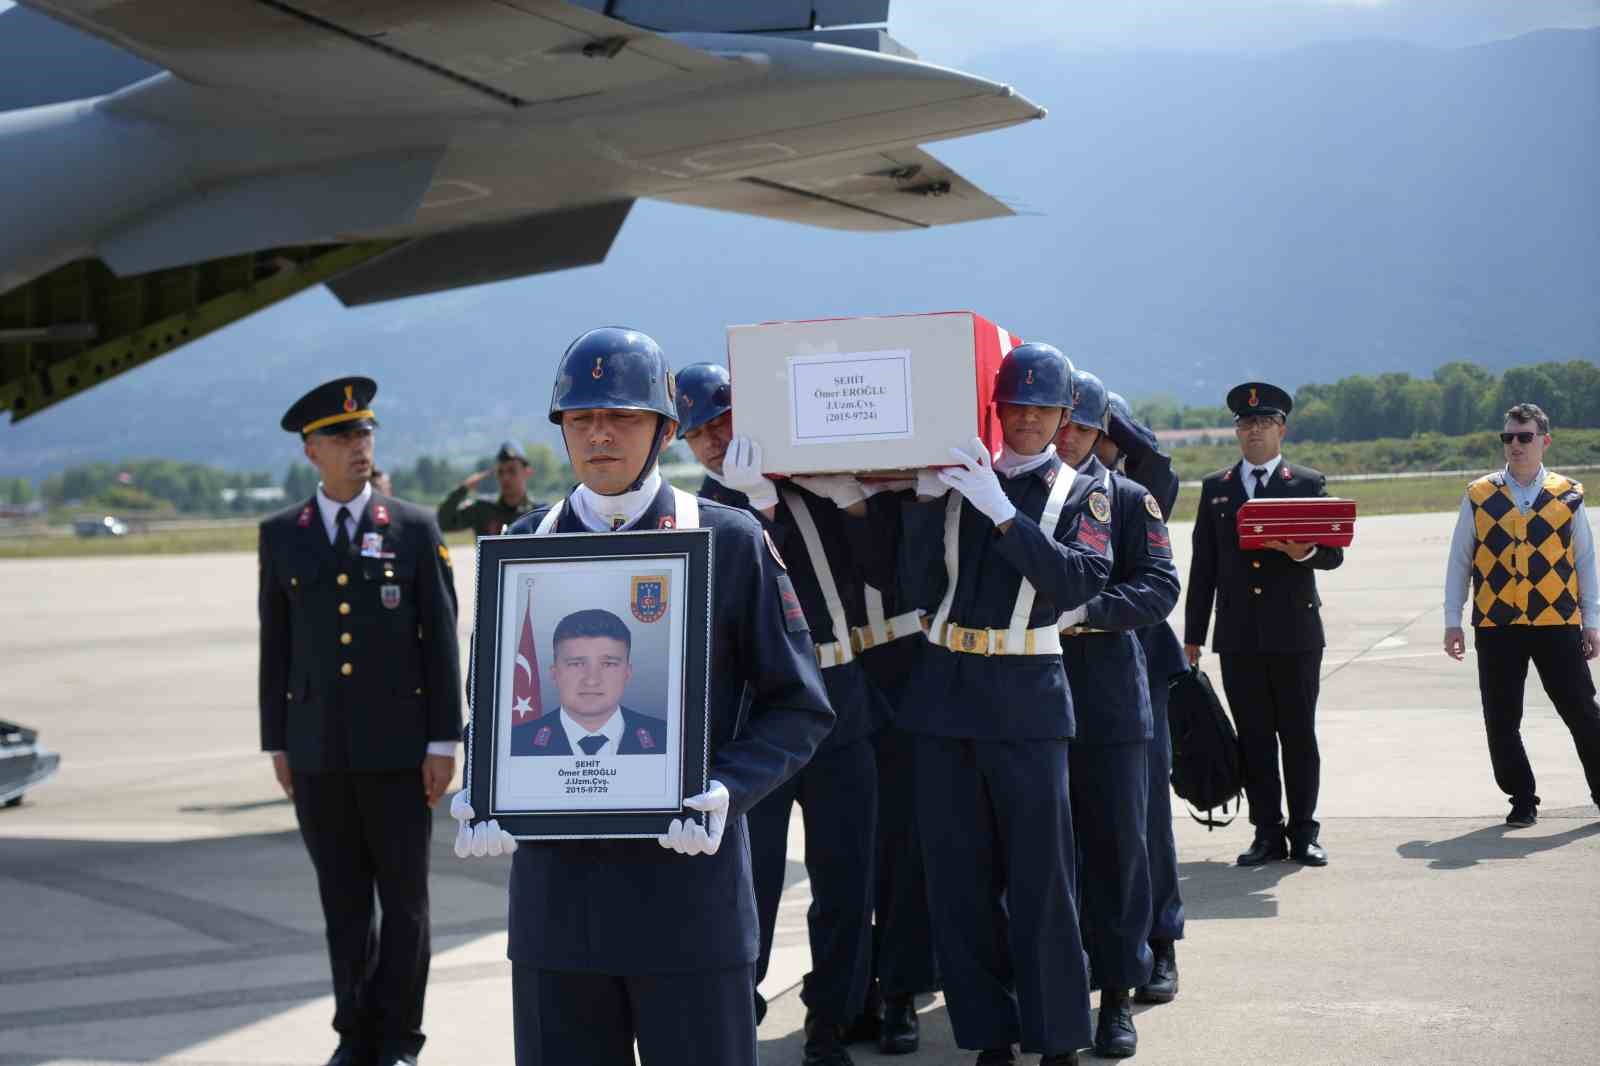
(844, 490)
(688, 837)
(1073, 617)
(929, 485)
(485, 838)
(741, 471)
(976, 480)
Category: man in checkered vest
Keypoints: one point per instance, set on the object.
(1524, 543)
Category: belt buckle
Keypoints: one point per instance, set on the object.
(860, 639)
(972, 641)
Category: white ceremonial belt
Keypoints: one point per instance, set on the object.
(875, 634)
(1040, 640)
(834, 653)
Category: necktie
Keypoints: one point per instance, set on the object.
(1260, 474)
(590, 745)
(341, 536)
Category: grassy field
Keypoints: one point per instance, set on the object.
(1401, 496)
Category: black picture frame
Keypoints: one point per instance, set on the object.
(497, 771)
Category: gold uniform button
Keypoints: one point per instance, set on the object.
(294, 582)
(289, 696)
(419, 692)
(1256, 591)
(1256, 563)
(344, 608)
(343, 579)
(347, 669)
(344, 638)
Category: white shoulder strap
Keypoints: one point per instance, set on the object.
(820, 565)
(551, 517)
(687, 508)
(1049, 519)
(876, 618)
(952, 560)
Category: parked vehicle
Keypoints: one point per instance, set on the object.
(24, 762)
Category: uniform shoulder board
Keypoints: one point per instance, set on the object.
(304, 521)
(1227, 475)
(541, 739)
(1152, 507)
(1284, 471)
(380, 514)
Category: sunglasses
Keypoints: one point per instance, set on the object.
(1520, 438)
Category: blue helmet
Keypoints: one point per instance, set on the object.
(1034, 375)
(1090, 401)
(704, 392)
(613, 368)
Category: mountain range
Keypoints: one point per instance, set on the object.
(1186, 221)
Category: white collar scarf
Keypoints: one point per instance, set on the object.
(611, 513)
(1011, 464)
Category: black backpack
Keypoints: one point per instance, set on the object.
(1206, 769)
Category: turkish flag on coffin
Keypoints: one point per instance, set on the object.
(525, 702)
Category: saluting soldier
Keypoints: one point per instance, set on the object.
(1130, 446)
(997, 561)
(490, 517)
(361, 711)
(613, 941)
(820, 527)
(1523, 541)
(1269, 626)
(1110, 756)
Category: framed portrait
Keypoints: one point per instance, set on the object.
(590, 682)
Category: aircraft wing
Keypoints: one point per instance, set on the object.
(390, 56)
(898, 189)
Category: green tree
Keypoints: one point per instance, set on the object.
(300, 482)
(1464, 394)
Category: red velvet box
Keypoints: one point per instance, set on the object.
(1325, 520)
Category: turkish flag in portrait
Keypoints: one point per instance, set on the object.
(525, 703)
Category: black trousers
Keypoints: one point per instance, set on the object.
(838, 796)
(1273, 697)
(590, 1019)
(1110, 786)
(370, 832)
(903, 933)
(1557, 653)
(1166, 901)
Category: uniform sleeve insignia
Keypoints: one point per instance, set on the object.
(773, 548)
(1094, 537)
(380, 514)
(304, 521)
(1100, 507)
(1151, 506)
(444, 554)
(646, 741)
(541, 739)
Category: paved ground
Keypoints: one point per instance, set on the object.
(157, 905)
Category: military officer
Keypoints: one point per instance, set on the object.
(1268, 630)
(592, 971)
(996, 562)
(1109, 756)
(489, 517)
(812, 520)
(1129, 446)
(1523, 541)
(360, 708)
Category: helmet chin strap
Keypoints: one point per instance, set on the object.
(650, 460)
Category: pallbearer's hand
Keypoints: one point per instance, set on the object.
(844, 490)
(741, 471)
(688, 837)
(1192, 653)
(976, 480)
(486, 838)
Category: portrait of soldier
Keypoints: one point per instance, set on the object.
(591, 668)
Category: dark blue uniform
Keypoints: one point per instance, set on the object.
(902, 934)
(642, 734)
(991, 767)
(1164, 660)
(838, 790)
(592, 966)
(1109, 756)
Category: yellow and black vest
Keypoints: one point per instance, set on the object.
(1523, 571)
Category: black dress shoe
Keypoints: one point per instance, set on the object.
(398, 1058)
(1065, 1058)
(1163, 984)
(867, 1025)
(1308, 852)
(1522, 815)
(900, 1032)
(822, 1047)
(351, 1054)
(761, 1007)
(1114, 1035)
(997, 1056)
(1266, 848)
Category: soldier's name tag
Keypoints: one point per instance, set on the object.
(389, 596)
(372, 547)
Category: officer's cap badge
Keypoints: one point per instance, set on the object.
(1254, 400)
(599, 370)
(349, 398)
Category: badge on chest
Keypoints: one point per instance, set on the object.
(372, 547)
(389, 596)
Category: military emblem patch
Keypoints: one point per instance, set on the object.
(380, 514)
(646, 741)
(1152, 507)
(1099, 506)
(647, 596)
(389, 595)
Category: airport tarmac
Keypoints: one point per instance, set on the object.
(157, 906)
